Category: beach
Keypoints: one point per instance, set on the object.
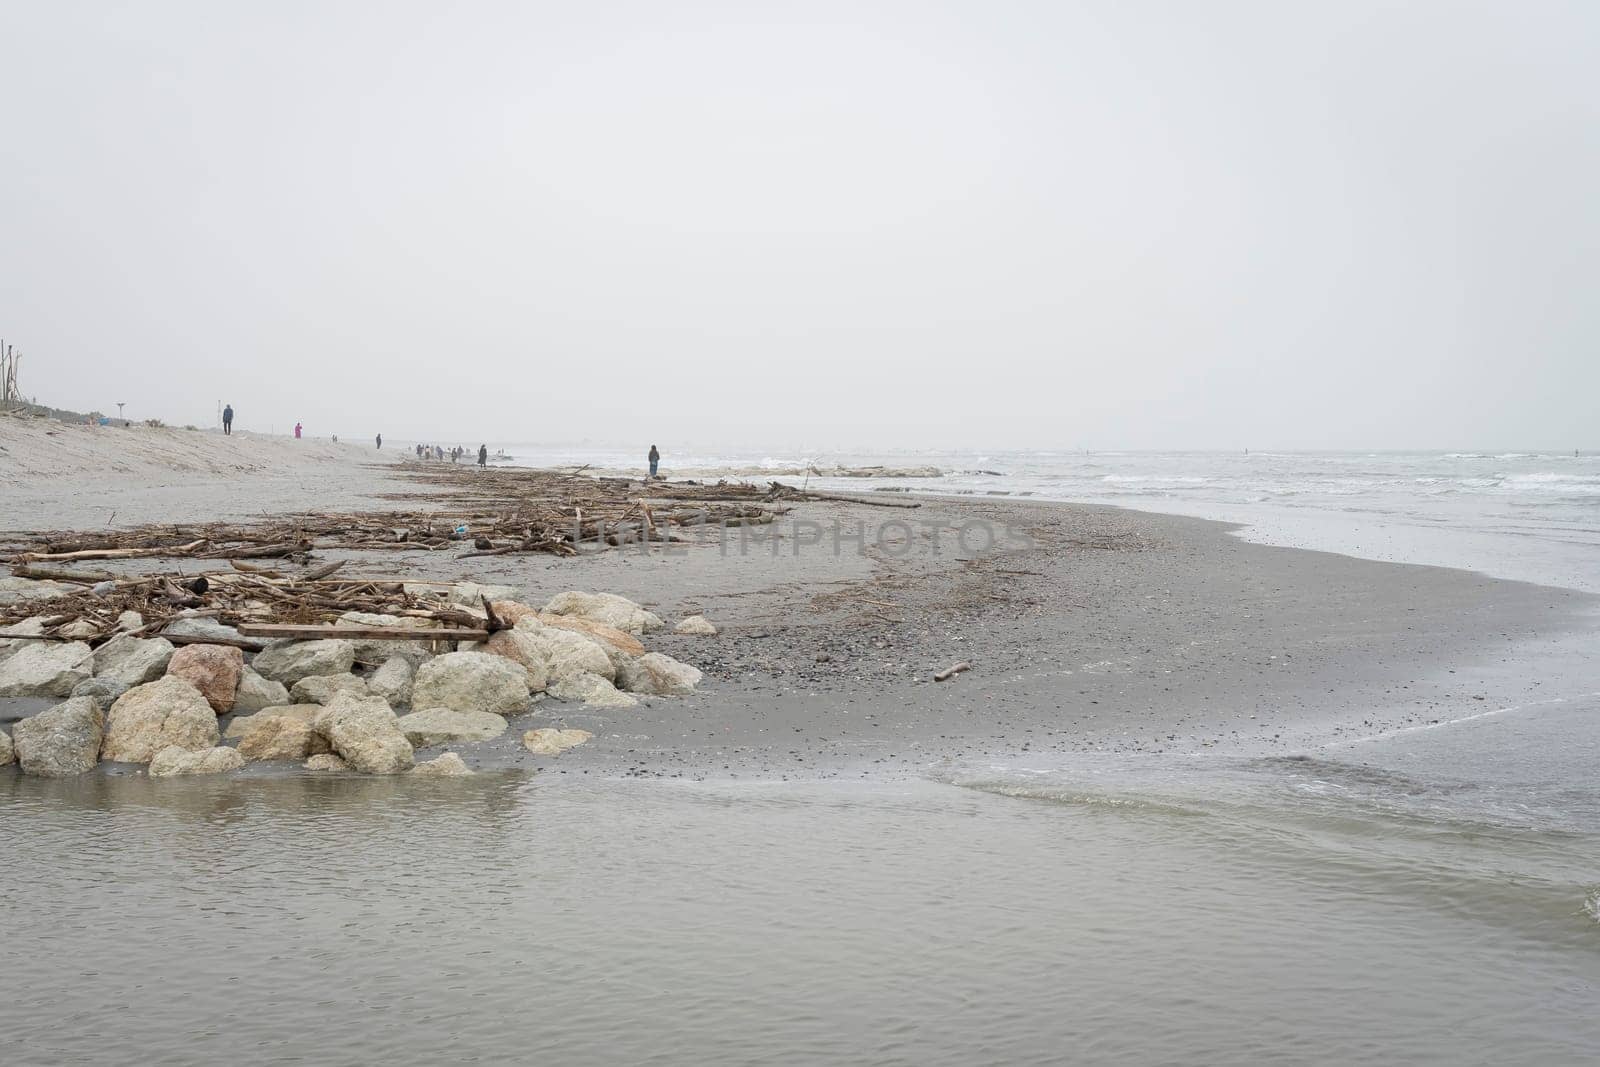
(1354, 795)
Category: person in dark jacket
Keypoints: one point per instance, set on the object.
(227, 419)
(380, 442)
(483, 455)
(655, 460)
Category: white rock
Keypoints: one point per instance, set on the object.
(173, 761)
(471, 681)
(154, 716)
(364, 730)
(472, 595)
(392, 681)
(133, 660)
(130, 620)
(321, 688)
(256, 692)
(592, 689)
(608, 608)
(290, 661)
(440, 726)
(45, 669)
(61, 742)
(658, 675)
(376, 651)
(519, 647)
(103, 691)
(548, 742)
(27, 627)
(79, 629)
(564, 653)
(445, 765)
(207, 628)
(16, 590)
(696, 626)
(326, 761)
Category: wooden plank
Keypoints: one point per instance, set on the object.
(359, 633)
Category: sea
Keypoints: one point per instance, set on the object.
(1430, 895)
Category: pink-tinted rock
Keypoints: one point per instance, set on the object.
(213, 669)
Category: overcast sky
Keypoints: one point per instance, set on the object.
(1044, 224)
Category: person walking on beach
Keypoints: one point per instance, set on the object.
(380, 442)
(227, 419)
(483, 455)
(297, 431)
(655, 460)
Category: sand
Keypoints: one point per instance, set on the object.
(1114, 631)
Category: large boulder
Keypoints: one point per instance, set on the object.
(593, 690)
(564, 653)
(157, 715)
(321, 688)
(256, 692)
(444, 765)
(16, 590)
(511, 612)
(103, 691)
(440, 726)
(548, 742)
(607, 608)
(290, 661)
(26, 628)
(618, 645)
(133, 660)
(202, 627)
(45, 669)
(327, 761)
(657, 675)
(278, 737)
(213, 669)
(695, 626)
(519, 647)
(375, 651)
(364, 731)
(130, 620)
(8, 751)
(392, 681)
(471, 681)
(241, 725)
(175, 760)
(61, 742)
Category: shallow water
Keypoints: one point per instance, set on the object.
(1366, 905)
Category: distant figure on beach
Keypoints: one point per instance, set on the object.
(483, 455)
(655, 460)
(380, 442)
(297, 431)
(227, 419)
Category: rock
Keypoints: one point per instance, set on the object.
(209, 629)
(511, 612)
(695, 626)
(375, 652)
(130, 620)
(276, 737)
(62, 741)
(290, 661)
(156, 715)
(617, 645)
(445, 765)
(607, 608)
(472, 595)
(564, 653)
(364, 730)
(27, 627)
(520, 648)
(658, 675)
(392, 681)
(256, 692)
(175, 760)
(547, 742)
(8, 751)
(133, 660)
(213, 669)
(16, 590)
(440, 726)
(241, 725)
(79, 629)
(321, 688)
(103, 691)
(326, 761)
(45, 669)
(592, 689)
(471, 681)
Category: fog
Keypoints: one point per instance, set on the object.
(1110, 225)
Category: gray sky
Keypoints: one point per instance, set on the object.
(1047, 224)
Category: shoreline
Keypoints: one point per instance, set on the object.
(1118, 631)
